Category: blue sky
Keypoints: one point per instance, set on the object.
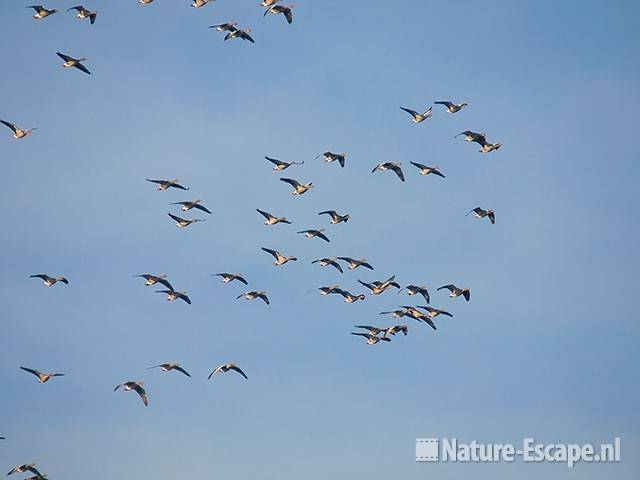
(547, 346)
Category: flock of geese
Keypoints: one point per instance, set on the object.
(372, 334)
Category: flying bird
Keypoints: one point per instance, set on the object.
(470, 136)
(268, 3)
(240, 33)
(353, 263)
(336, 217)
(452, 107)
(489, 147)
(418, 117)
(395, 313)
(73, 62)
(42, 377)
(481, 213)
(371, 339)
(315, 233)
(413, 312)
(145, 2)
(153, 279)
(285, 10)
(280, 259)
(325, 262)
(42, 12)
(165, 184)
(136, 387)
(270, 219)
(280, 165)
(434, 312)
(173, 295)
(167, 367)
(395, 167)
(372, 330)
(230, 277)
(84, 13)
(185, 222)
(329, 289)
(377, 288)
(348, 296)
(396, 329)
(298, 188)
(48, 281)
(17, 132)
(30, 467)
(332, 157)
(425, 170)
(200, 3)
(253, 295)
(225, 368)
(225, 27)
(417, 290)
(188, 205)
(456, 292)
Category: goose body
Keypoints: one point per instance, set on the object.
(166, 184)
(174, 295)
(227, 367)
(298, 188)
(482, 213)
(336, 217)
(285, 10)
(348, 296)
(330, 157)
(417, 117)
(188, 205)
(354, 263)
(315, 233)
(279, 165)
(455, 292)
(42, 12)
(452, 107)
(150, 279)
(42, 377)
(377, 288)
(167, 367)
(230, 277)
(136, 387)
(185, 222)
(279, 258)
(271, 219)
(84, 13)
(426, 170)
(325, 262)
(70, 62)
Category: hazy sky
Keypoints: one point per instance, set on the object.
(547, 347)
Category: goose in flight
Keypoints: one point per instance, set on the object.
(481, 213)
(280, 165)
(272, 220)
(48, 281)
(188, 205)
(396, 329)
(145, 2)
(225, 27)
(418, 117)
(489, 147)
(185, 222)
(42, 377)
(136, 387)
(395, 313)
(413, 312)
(225, 368)
(153, 279)
(395, 167)
(42, 12)
(418, 290)
(200, 3)
(268, 3)
(253, 295)
(84, 13)
(470, 136)
(348, 296)
(165, 184)
(325, 262)
(434, 312)
(315, 233)
(167, 367)
(239, 33)
(425, 170)
(372, 330)
(230, 277)
(371, 339)
(298, 188)
(173, 295)
(377, 288)
(456, 292)
(28, 467)
(285, 10)
(332, 157)
(329, 289)
(73, 62)
(18, 132)
(336, 217)
(353, 263)
(452, 107)
(280, 259)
